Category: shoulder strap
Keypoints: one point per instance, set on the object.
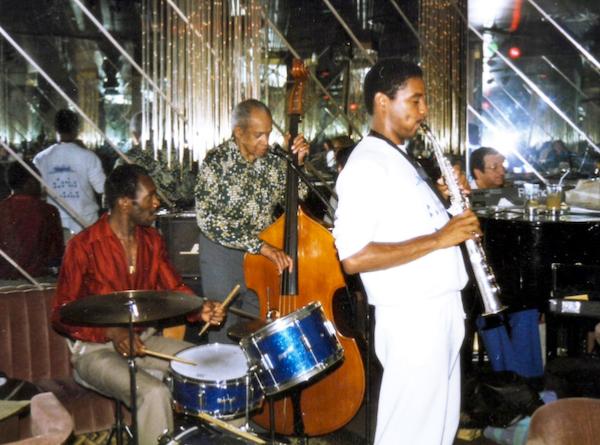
(418, 167)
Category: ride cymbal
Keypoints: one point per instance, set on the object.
(135, 306)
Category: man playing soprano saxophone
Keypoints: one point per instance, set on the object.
(393, 229)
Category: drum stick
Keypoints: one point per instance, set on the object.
(231, 428)
(229, 297)
(167, 357)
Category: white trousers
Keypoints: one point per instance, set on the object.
(418, 344)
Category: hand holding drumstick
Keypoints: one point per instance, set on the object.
(168, 357)
(120, 339)
(212, 312)
(224, 305)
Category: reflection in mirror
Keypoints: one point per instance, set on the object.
(534, 94)
(530, 85)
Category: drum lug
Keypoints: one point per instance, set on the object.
(169, 382)
(227, 403)
(166, 439)
(266, 362)
(201, 399)
(329, 326)
(306, 342)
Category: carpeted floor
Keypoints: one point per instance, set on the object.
(344, 436)
(354, 433)
(98, 438)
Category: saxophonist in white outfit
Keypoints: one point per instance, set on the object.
(393, 228)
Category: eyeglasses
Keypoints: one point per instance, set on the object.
(495, 167)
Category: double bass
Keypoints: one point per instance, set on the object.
(331, 400)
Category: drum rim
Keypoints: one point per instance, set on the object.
(304, 377)
(207, 383)
(282, 323)
(174, 373)
(187, 411)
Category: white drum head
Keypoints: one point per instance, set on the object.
(215, 362)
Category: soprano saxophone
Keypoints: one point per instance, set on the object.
(484, 276)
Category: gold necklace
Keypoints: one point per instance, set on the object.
(125, 243)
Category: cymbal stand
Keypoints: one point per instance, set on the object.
(132, 371)
(298, 421)
(246, 425)
(271, 418)
(274, 438)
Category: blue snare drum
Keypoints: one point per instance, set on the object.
(292, 349)
(216, 385)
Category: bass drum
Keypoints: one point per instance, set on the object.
(201, 435)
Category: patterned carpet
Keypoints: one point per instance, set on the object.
(341, 437)
(98, 438)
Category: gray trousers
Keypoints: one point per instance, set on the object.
(104, 370)
(221, 269)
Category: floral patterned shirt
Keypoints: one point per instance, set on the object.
(236, 199)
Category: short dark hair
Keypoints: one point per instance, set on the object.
(241, 112)
(341, 141)
(476, 160)
(123, 182)
(66, 121)
(386, 77)
(342, 155)
(17, 175)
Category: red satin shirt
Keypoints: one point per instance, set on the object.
(95, 264)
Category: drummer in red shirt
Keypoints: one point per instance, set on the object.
(121, 251)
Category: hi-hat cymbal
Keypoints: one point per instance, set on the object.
(137, 306)
(245, 328)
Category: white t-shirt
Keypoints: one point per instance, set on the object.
(75, 173)
(382, 198)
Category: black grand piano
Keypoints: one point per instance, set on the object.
(521, 250)
(538, 258)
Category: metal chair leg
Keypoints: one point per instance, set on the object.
(117, 429)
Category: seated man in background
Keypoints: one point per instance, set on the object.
(31, 232)
(487, 168)
(121, 251)
(554, 157)
(325, 161)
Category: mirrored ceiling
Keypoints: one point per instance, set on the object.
(531, 66)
